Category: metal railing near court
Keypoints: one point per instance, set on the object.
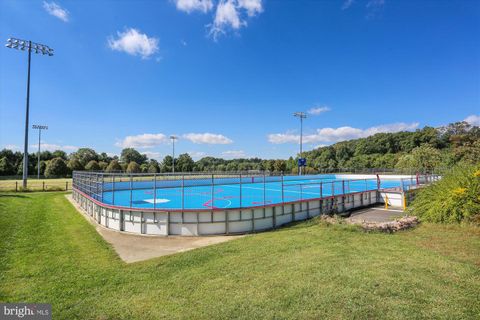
(202, 191)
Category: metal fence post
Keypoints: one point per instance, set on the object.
(183, 191)
(240, 190)
(103, 181)
(154, 191)
(131, 189)
(213, 191)
(113, 188)
(283, 194)
(321, 189)
(264, 186)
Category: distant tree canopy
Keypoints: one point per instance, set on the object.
(129, 154)
(56, 168)
(133, 167)
(423, 149)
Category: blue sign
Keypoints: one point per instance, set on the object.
(302, 162)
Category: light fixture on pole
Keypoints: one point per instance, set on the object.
(301, 162)
(23, 45)
(173, 152)
(39, 128)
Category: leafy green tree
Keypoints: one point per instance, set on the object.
(43, 166)
(133, 167)
(426, 157)
(6, 168)
(184, 163)
(92, 166)
(56, 167)
(113, 166)
(85, 155)
(58, 154)
(129, 154)
(406, 161)
(167, 164)
(74, 164)
(153, 166)
(280, 165)
(103, 165)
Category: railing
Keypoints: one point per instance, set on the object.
(417, 181)
(218, 191)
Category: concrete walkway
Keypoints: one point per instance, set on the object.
(376, 214)
(133, 248)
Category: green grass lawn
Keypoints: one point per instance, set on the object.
(34, 184)
(50, 253)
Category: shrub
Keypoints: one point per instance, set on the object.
(455, 198)
(92, 165)
(133, 167)
(56, 168)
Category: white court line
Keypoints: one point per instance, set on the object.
(303, 192)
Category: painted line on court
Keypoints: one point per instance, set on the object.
(276, 190)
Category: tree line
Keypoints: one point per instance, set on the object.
(423, 149)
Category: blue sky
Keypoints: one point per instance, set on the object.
(226, 76)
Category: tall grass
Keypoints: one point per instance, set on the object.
(455, 198)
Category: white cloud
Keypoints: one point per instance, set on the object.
(194, 5)
(331, 135)
(207, 138)
(230, 15)
(135, 43)
(146, 140)
(233, 154)
(347, 4)
(318, 110)
(152, 155)
(197, 154)
(252, 6)
(52, 147)
(473, 119)
(374, 7)
(55, 10)
(12, 147)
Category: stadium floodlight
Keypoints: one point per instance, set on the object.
(301, 116)
(14, 43)
(39, 128)
(173, 152)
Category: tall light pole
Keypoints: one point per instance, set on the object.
(39, 128)
(19, 44)
(173, 152)
(301, 115)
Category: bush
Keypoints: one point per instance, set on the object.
(56, 168)
(455, 198)
(133, 167)
(92, 165)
